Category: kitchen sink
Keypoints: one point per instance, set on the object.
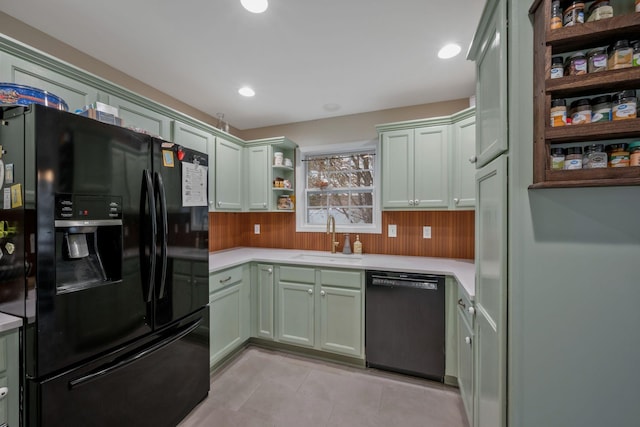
(330, 258)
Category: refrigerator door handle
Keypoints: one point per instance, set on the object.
(119, 364)
(164, 232)
(147, 199)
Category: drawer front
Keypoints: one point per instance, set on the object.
(342, 278)
(181, 266)
(3, 353)
(463, 306)
(297, 274)
(224, 278)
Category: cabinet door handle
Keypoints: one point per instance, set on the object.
(467, 340)
(473, 159)
(270, 270)
(323, 293)
(461, 304)
(410, 202)
(471, 310)
(219, 202)
(225, 280)
(310, 291)
(456, 200)
(416, 202)
(264, 205)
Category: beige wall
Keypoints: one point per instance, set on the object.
(355, 127)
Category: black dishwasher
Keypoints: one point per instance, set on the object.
(405, 323)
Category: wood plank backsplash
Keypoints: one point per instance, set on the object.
(452, 233)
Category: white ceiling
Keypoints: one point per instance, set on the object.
(300, 55)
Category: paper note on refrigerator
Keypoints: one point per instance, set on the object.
(194, 184)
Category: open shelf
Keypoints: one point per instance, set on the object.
(580, 37)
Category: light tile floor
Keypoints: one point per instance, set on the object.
(265, 388)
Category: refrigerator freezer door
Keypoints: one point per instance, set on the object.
(182, 277)
(156, 384)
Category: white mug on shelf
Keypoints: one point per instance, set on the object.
(277, 159)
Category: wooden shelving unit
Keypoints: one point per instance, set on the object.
(583, 37)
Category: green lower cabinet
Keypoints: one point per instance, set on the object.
(229, 318)
(9, 378)
(296, 314)
(341, 320)
(263, 309)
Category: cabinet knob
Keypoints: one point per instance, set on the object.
(219, 202)
(310, 291)
(3, 392)
(270, 270)
(456, 200)
(410, 202)
(416, 202)
(467, 340)
(473, 159)
(323, 293)
(264, 205)
(471, 310)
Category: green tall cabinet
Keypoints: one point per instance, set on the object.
(489, 51)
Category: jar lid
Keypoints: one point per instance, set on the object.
(601, 99)
(617, 147)
(558, 103)
(580, 103)
(577, 55)
(598, 3)
(625, 94)
(597, 50)
(557, 151)
(634, 144)
(594, 148)
(557, 60)
(575, 150)
(620, 44)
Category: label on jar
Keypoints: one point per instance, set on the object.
(634, 159)
(636, 60)
(598, 63)
(601, 115)
(619, 160)
(579, 66)
(559, 117)
(595, 161)
(557, 162)
(581, 117)
(572, 164)
(557, 72)
(624, 111)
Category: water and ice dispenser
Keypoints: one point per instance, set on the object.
(88, 241)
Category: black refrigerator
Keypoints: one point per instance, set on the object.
(104, 254)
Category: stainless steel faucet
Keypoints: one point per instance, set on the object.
(331, 229)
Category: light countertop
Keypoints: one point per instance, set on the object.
(463, 270)
(8, 322)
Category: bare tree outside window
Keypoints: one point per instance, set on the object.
(340, 185)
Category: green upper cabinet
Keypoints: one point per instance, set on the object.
(463, 138)
(140, 117)
(229, 175)
(190, 137)
(415, 166)
(258, 177)
(55, 80)
(270, 179)
(489, 51)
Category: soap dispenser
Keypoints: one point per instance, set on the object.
(357, 245)
(347, 245)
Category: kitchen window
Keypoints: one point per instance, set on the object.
(342, 183)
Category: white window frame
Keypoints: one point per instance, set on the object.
(301, 183)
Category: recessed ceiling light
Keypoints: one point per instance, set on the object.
(246, 91)
(255, 6)
(449, 51)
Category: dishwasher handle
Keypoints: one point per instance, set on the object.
(431, 284)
